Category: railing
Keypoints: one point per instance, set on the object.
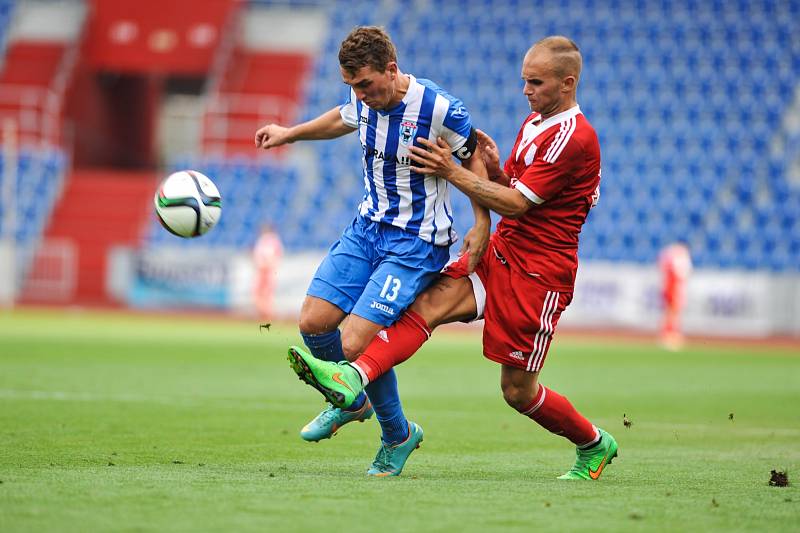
(235, 117)
(219, 65)
(35, 109)
(53, 276)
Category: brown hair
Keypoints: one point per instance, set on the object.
(367, 46)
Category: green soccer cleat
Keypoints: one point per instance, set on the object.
(392, 458)
(590, 463)
(340, 383)
(328, 422)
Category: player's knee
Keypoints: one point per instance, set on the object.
(352, 345)
(440, 303)
(351, 351)
(425, 306)
(516, 396)
(310, 324)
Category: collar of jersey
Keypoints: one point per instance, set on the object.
(412, 86)
(561, 117)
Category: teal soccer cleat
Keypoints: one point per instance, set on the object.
(590, 463)
(392, 458)
(328, 422)
(340, 383)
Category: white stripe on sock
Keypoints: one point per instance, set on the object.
(364, 378)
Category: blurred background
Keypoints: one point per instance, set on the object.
(696, 103)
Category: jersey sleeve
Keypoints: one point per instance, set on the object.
(349, 110)
(551, 171)
(457, 125)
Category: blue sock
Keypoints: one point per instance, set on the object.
(385, 400)
(328, 346)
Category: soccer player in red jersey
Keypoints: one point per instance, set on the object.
(675, 263)
(266, 257)
(525, 280)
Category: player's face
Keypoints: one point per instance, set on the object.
(543, 88)
(375, 89)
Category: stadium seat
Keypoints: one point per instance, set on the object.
(681, 158)
(39, 178)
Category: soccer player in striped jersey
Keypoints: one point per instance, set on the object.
(525, 281)
(400, 239)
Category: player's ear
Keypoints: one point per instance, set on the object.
(568, 83)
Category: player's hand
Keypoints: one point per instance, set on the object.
(271, 135)
(490, 153)
(437, 160)
(476, 241)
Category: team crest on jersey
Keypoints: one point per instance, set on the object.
(407, 131)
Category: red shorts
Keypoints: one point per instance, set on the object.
(520, 313)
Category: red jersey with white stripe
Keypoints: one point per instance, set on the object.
(555, 164)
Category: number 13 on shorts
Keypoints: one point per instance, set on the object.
(391, 288)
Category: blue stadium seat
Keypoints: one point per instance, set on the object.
(681, 158)
(39, 178)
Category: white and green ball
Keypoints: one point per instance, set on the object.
(188, 204)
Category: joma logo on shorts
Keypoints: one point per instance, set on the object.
(381, 307)
(517, 355)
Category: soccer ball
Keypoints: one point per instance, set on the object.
(188, 204)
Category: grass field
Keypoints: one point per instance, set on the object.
(153, 423)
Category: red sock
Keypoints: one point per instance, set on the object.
(393, 345)
(554, 413)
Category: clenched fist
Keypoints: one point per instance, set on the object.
(271, 135)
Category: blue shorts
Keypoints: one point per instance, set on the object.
(376, 270)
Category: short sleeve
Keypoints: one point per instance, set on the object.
(457, 125)
(548, 175)
(349, 110)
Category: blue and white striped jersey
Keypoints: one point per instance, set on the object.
(393, 193)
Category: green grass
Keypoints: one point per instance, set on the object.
(134, 423)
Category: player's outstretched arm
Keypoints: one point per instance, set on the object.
(436, 161)
(491, 158)
(328, 125)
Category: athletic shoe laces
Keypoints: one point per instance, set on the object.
(383, 459)
(329, 414)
